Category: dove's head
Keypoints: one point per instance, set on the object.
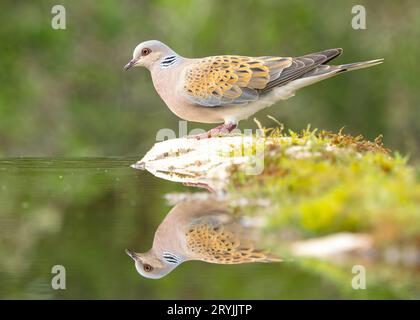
(149, 265)
(147, 53)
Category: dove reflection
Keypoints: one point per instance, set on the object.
(199, 230)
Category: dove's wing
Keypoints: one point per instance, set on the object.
(234, 80)
(227, 80)
(302, 65)
(213, 243)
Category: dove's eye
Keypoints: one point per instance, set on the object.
(147, 267)
(145, 51)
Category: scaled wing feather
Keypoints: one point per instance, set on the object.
(230, 80)
(213, 243)
(234, 80)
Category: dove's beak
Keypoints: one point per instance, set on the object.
(132, 63)
(132, 254)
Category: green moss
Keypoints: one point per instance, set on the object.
(323, 182)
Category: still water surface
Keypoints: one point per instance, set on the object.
(83, 214)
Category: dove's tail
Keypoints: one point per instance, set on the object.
(325, 71)
(360, 65)
(321, 72)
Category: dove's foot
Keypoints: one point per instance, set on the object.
(219, 130)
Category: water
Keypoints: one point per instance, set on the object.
(83, 213)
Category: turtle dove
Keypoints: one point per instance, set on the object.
(200, 230)
(230, 88)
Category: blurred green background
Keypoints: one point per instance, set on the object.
(63, 93)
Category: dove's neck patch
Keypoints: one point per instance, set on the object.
(171, 258)
(168, 61)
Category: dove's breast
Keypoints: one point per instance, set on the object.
(169, 84)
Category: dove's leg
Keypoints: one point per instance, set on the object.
(219, 130)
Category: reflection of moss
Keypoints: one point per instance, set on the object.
(322, 182)
(399, 285)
